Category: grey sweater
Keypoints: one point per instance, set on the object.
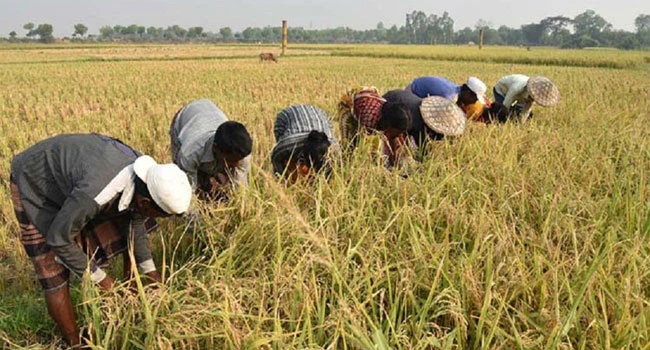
(59, 179)
(193, 134)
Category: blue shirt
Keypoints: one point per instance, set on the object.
(434, 86)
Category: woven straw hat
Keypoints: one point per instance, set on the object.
(543, 91)
(443, 116)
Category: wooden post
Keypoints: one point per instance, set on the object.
(285, 35)
(480, 39)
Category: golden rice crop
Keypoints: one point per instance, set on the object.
(512, 236)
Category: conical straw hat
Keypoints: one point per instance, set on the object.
(543, 91)
(443, 116)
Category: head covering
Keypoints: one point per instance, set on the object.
(367, 107)
(434, 86)
(443, 116)
(292, 127)
(478, 87)
(543, 91)
(167, 184)
(474, 111)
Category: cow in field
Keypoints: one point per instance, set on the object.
(268, 56)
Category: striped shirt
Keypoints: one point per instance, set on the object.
(192, 137)
(292, 126)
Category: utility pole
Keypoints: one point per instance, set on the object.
(285, 35)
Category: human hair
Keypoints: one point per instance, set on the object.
(394, 115)
(142, 189)
(314, 151)
(232, 138)
(465, 88)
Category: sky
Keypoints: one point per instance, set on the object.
(316, 14)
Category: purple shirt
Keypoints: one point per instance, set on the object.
(434, 86)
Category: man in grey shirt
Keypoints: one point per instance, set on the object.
(213, 151)
(81, 199)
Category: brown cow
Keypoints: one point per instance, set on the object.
(268, 56)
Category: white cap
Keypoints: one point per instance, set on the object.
(478, 86)
(167, 184)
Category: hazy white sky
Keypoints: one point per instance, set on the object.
(212, 15)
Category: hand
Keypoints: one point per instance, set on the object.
(215, 186)
(107, 283)
(218, 188)
(222, 179)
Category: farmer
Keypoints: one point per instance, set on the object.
(517, 92)
(432, 118)
(364, 109)
(470, 97)
(81, 199)
(303, 137)
(213, 151)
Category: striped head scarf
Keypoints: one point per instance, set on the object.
(292, 126)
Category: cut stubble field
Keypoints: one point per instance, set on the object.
(531, 235)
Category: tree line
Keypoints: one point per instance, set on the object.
(587, 29)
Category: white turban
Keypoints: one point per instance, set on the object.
(167, 184)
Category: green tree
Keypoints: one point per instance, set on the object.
(556, 30)
(226, 33)
(252, 34)
(118, 29)
(465, 36)
(381, 32)
(590, 24)
(106, 32)
(510, 36)
(581, 41)
(195, 32)
(642, 23)
(154, 32)
(625, 40)
(179, 31)
(44, 32)
(80, 29)
(12, 34)
(533, 33)
(130, 30)
(556, 24)
(29, 27)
